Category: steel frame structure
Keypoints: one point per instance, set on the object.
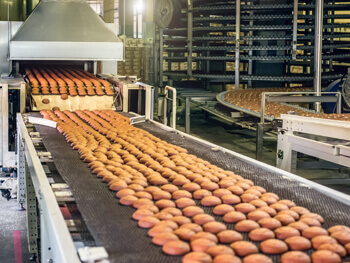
(294, 137)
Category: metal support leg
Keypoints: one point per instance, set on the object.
(188, 115)
(286, 157)
(32, 223)
(21, 179)
(259, 141)
(161, 57)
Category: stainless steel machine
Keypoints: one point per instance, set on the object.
(56, 33)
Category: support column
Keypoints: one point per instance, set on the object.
(238, 32)
(126, 7)
(188, 115)
(189, 37)
(318, 51)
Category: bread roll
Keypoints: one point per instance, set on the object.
(205, 235)
(229, 236)
(191, 211)
(227, 259)
(325, 256)
(286, 232)
(298, 243)
(220, 250)
(234, 217)
(313, 231)
(342, 237)
(195, 257)
(184, 233)
(214, 227)
(270, 223)
(222, 209)
(210, 201)
(273, 246)
(261, 234)
(257, 215)
(245, 208)
(257, 258)
(295, 257)
(246, 226)
(334, 247)
(201, 245)
(163, 238)
(176, 248)
(298, 225)
(202, 219)
(244, 248)
(317, 241)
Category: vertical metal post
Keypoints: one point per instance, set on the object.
(259, 141)
(250, 53)
(238, 32)
(161, 57)
(263, 98)
(31, 214)
(189, 36)
(156, 62)
(295, 29)
(21, 179)
(188, 115)
(318, 51)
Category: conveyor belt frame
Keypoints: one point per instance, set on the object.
(56, 242)
(290, 142)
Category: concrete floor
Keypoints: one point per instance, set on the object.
(11, 219)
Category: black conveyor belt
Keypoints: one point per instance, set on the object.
(111, 224)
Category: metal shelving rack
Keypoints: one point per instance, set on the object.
(272, 42)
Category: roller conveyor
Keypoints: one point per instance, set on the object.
(111, 225)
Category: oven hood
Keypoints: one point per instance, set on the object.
(65, 30)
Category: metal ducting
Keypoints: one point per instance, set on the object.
(65, 30)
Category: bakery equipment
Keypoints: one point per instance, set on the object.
(115, 230)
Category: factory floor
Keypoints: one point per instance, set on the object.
(13, 232)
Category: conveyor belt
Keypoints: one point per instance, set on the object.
(111, 224)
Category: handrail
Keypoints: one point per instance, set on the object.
(166, 92)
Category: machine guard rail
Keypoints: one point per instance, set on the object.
(166, 98)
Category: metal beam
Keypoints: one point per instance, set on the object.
(238, 32)
(318, 51)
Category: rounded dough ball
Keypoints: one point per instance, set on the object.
(205, 235)
(286, 232)
(229, 236)
(257, 215)
(227, 259)
(214, 227)
(202, 219)
(342, 237)
(148, 222)
(314, 231)
(191, 211)
(295, 257)
(257, 258)
(270, 223)
(222, 209)
(246, 226)
(220, 250)
(244, 248)
(201, 245)
(335, 247)
(298, 243)
(234, 217)
(210, 201)
(245, 208)
(181, 220)
(195, 257)
(317, 241)
(298, 225)
(261, 234)
(337, 228)
(273, 246)
(176, 248)
(163, 238)
(325, 256)
(184, 233)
